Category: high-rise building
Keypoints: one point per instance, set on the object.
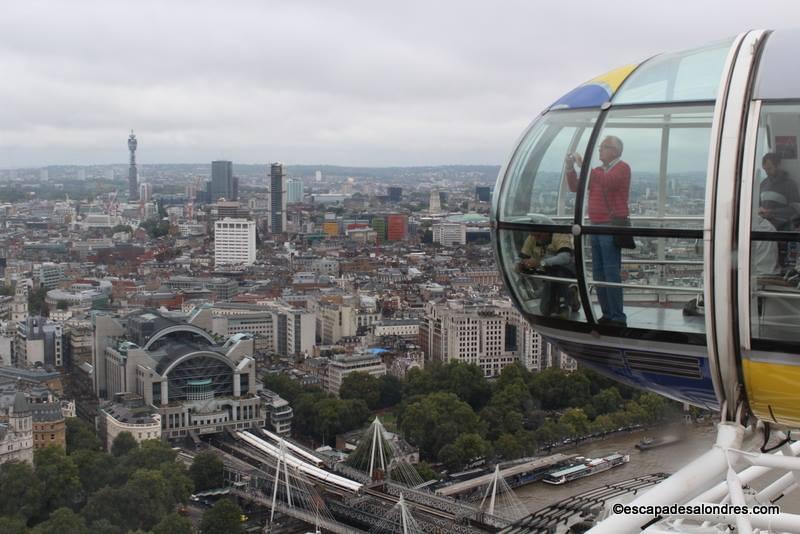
(483, 193)
(294, 191)
(434, 204)
(145, 192)
(234, 242)
(133, 173)
(396, 227)
(223, 184)
(395, 194)
(318, 176)
(277, 199)
(379, 225)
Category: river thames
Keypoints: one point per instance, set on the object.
(663, 460)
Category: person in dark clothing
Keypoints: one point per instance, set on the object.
(779, 203)
(779, 200)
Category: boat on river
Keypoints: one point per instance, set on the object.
(585, 467)
(654, 443)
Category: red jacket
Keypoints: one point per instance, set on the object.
(616, 182)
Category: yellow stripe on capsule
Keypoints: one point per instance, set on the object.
(773, 391)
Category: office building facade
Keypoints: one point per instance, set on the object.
(277, 199)
(234, 243)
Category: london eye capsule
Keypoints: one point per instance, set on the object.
(648, 224)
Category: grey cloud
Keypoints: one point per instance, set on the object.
(338, 82)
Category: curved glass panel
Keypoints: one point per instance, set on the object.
(541, 271)
(658, 285)
(778, 78)
(199, 368)
(657, 175)
(775, 249)
(533, 182)
(678, 77)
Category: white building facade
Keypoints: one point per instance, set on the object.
(234, 242)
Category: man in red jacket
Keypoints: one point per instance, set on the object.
(609, 187)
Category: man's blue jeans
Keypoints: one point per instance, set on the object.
(606, 267)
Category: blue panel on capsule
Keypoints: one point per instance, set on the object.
(585, 96)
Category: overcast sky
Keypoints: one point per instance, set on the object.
(349, 83)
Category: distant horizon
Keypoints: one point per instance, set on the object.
(317, 165)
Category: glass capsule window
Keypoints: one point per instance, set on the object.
(542, 271)
(533, 183)
(775, 226)
(650, 164)
(647, 173)
(690, 75)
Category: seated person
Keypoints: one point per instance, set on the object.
(551, 255)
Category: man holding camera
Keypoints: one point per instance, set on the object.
(608, 191)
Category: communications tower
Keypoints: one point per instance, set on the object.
(133, 175)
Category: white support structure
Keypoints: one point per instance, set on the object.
(720, 476)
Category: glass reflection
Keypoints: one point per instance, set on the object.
(775, 302)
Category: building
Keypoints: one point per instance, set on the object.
(277, 199)
(39, 343)
(128, 413)
(490, 334)
(379, 225)
(49, 275)
(279, 412)
(483, 193)
(450, 234)
(220, 288)
(395, 194)
(145, 192)
(275, 326)
(195, 384)
(223, 184)
(343, 364)
(16, 432)
(19, 308)
(396, 227)
(408, 328)
(335, 320)
(294, 191)
(133, 173)
(49, 427)
(434, 203)
(234, 242)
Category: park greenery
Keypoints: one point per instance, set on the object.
(83, 489)
(456, 416)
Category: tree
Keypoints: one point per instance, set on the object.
(390, 391)
(576, 422)
(361, 386)
(61, 485)
(223, 518)
(558, 389)
(173, 524)
(62, 521)
(284, 386)
(425, 471)
(21, 490)
(95, 469)
(437, 420)
(467, 448)
(81, 435)
(12, 525)
(206, 471)
(607, 401)
(508, 447)
(123, 444)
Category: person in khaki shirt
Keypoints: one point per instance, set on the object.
(551, 255)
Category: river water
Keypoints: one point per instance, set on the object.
(664, 460)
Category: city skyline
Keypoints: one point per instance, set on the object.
(361, 85)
